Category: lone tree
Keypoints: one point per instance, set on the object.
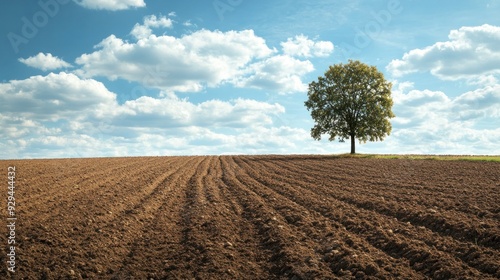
(351, 101)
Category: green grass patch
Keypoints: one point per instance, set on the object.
(424, 157)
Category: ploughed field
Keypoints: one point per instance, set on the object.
(254, 217)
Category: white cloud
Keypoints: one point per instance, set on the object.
(172, 111)
(141, 31)
(66, 97)
(174, 141)
(54, 96)
(61, 115)
(484, 102)
(431, 122)
(144, 30)
(188, 23)
(112, 5)
(418, 98)
(279, 73)
(471, 53)
(45, 62)
(153, 21)
(302, 46)
(186, 64)
(91, 123)
(202, 59)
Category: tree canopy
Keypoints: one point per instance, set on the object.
(351, 101)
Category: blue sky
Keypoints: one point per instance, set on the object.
(91, 78)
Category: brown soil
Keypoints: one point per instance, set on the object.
(254, 217)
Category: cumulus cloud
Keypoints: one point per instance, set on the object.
(421, 109)
(302, 46)
(66, 96)
(54, 96)
(421, 97)
(144, 30)
(470, 53)
(280, 73)
(45, 62)
(484, 102)
(112, 5)
(61, 115)
(186, 64)
(432, 122)
(201, 59)
(172, 111)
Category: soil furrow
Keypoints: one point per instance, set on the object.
(344, 251)
(53, 198)
(210, 234)
(392, 181)
(135, 221)
(250, 244)
(93, 208)
(446, 223)
(74, 219)
(254, 217)
(381, 237)
(484, 259)
(44, 172)
(422, 181)
(294, 253)
(87, 247)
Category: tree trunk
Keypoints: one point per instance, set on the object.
(353, 145)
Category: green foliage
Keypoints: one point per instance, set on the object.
(351, 101)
